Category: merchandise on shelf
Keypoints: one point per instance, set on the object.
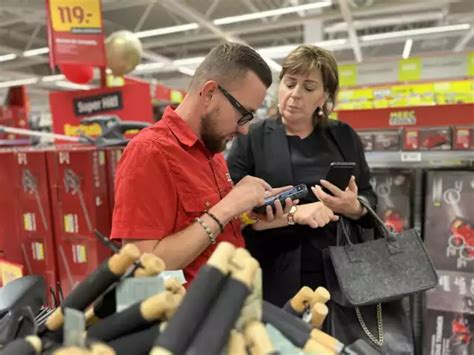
(78, 182)
(438, 138)
(463, 138)
(393, 189)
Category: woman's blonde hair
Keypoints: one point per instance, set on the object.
(304, 59)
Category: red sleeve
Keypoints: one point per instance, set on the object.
(145, 194)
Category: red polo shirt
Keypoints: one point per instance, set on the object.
(165, 179)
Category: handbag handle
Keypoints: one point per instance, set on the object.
(379, 223)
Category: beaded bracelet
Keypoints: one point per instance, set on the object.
(221, 227)
(204, 225)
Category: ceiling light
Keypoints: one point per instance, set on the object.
(19, 82)
(167, 30)
(6, 57)
(415, 32)
(68, 85)
(270, 13)
(186, 71)
(50, 78)
(407, 48)
(149, 66)
(36, 51)
(188, 61)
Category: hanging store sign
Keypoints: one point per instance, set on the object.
(75, 32)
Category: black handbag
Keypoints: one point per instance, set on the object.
(368, 280)
(377, 271)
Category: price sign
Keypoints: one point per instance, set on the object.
(75, 32)
(75, 16)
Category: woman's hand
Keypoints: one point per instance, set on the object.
(280, 211)
(342, 202)
(314, 214)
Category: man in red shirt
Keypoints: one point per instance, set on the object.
(173, 193)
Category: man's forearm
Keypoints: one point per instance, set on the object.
(182, 248)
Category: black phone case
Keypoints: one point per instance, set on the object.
(282, 197)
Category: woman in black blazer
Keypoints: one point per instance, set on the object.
(293, 148)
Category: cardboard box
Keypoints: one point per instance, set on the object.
(393, 189)
(78, 183)
(427, 138)
(463, 138)
(449, 220)
(387, 140)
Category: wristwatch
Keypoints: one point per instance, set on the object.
(291, 216)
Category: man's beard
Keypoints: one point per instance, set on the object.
(211, 139)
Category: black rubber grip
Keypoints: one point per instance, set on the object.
(18, 347)
(91, 288)
(202, 293)
(138, 343)
(106, 305)
(118, 324)
(289, 309)
(297, 331)
(214, 332)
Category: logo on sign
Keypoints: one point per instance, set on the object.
(402, 118)
(95, 104)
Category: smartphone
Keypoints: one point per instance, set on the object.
(339, 174)
(297, 192)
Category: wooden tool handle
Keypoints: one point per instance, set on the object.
(155, 307)
(320, 295)
(236, 343)
(160, 351)
(221, 256)
(243, 267)
(302, 299)
(71, 350)
(120, 262)
(327, 340)
(35, 343)
(257, 338)
(101, 349)
(318, 315)
(151, 266)
(55, 320)
(314, 347)
(174, 286)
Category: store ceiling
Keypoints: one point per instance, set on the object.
(23, 27)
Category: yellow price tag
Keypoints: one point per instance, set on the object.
(10, 271)
(75, 15)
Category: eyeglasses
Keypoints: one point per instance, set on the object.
(247, 116)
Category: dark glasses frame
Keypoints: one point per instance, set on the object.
(247, 116)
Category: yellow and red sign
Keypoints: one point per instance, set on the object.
(75, 32)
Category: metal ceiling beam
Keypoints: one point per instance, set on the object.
(353, 39)
(461, 44)
(144, 16)
(211, 8)
(251, 6)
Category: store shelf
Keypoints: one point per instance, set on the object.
(419, 159)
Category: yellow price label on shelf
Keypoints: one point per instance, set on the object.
(75, 16)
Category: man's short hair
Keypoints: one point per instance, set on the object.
(229, 62)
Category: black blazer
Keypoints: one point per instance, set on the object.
(264, 153)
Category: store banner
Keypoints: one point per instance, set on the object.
(75, 32)
(470, 64)
(129, 102)
(409, 69)
(348, 75)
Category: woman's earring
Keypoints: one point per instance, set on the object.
(320, 111)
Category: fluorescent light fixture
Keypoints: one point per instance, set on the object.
(407, 48)
(167, 30)
(416, 32)
(188, 61)
(19, 82)
(49, 78)
(6, 57)
(74, 86)
(149, 66)
(37, 51)
(270, 13)
(186, 71)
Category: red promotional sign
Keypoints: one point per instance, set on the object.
(130, 102)
(75, 32)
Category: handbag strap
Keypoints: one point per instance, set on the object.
(379, 223)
